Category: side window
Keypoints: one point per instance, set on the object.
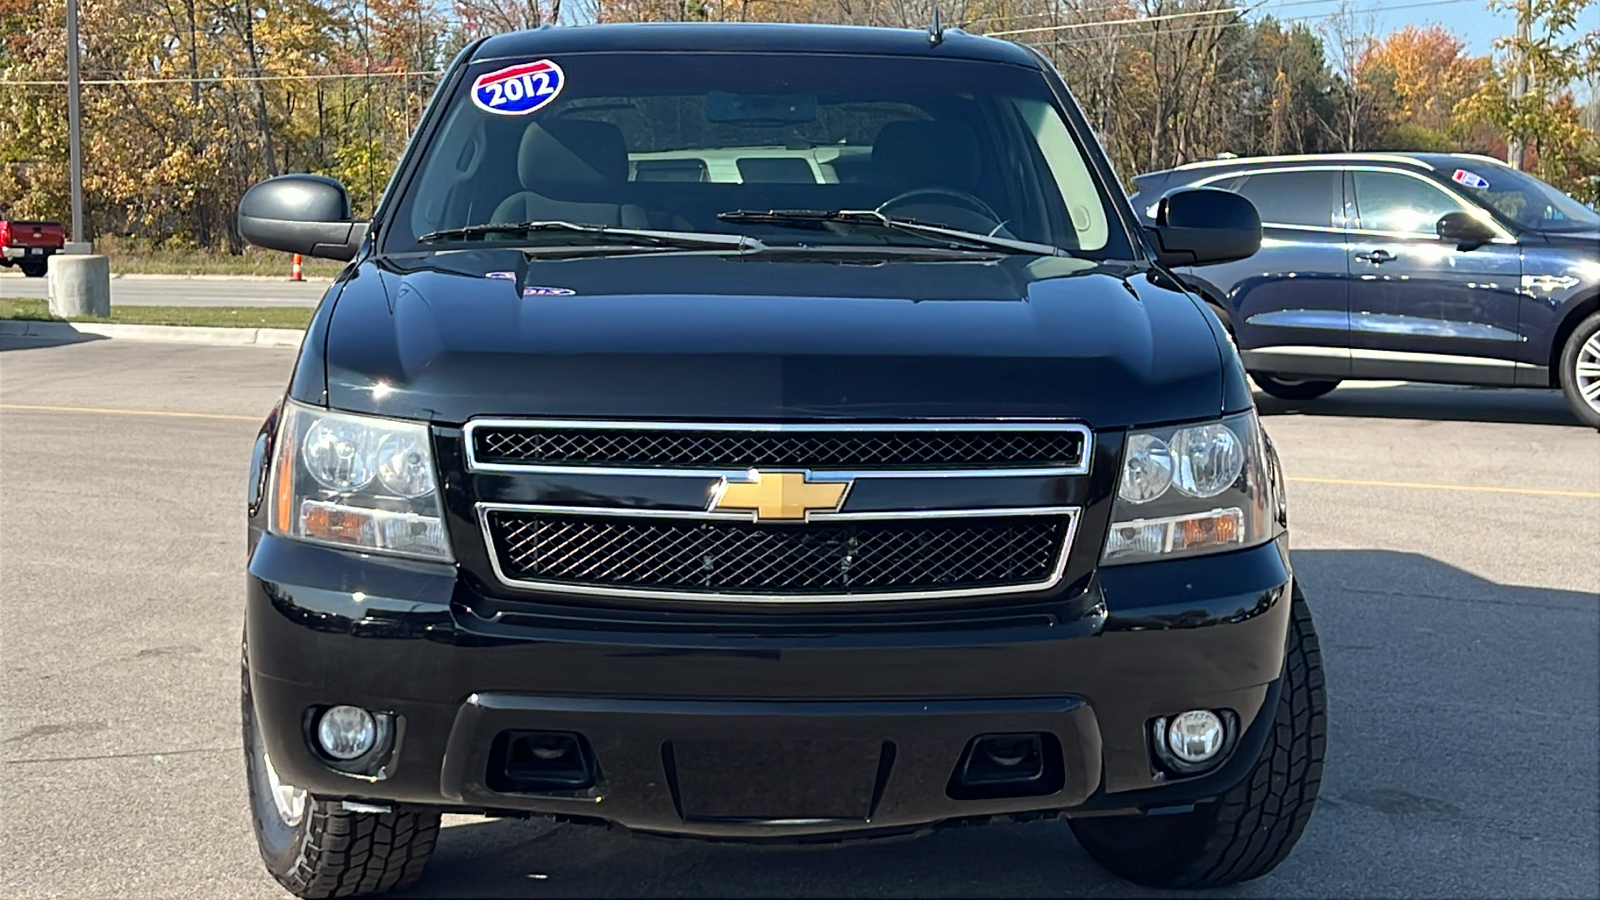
(1389, 201)
(1292, 198)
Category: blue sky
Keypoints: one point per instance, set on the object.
(1471, 19)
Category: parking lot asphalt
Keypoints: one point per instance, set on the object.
(1446, 539)
(152, 290)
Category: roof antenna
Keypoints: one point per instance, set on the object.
(936, 30)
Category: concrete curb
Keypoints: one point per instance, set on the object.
(177, 334)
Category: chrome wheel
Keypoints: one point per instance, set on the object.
(290, 800)
(1586, 371)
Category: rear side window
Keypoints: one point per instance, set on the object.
(1292, 198)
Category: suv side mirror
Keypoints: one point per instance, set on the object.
(1200, 226)
(1465, 229)
(307, 214)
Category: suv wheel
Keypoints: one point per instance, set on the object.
(1580, 371)
(316, 849)
(1247, 831)
(1291, 388)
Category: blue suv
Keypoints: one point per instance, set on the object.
(1446, 268)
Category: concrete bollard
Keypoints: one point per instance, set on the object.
(80, 286)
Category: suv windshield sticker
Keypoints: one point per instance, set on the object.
(519, 89)
(1470, 179)
(534, 291)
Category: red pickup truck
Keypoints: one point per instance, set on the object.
(29, 244)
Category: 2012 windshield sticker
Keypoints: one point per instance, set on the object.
(1470, 179)
(519, 89)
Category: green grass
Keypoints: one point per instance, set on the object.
(223, 316)
(134, 258)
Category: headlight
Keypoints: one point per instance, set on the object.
(357, 481)
(1191, 490)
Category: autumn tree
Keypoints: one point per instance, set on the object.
(1424, 72)
(1553, 52)
(188, 102)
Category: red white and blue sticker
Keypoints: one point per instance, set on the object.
(1470, 179)
(547, 292)
(520, 89)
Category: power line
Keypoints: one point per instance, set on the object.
(1136, 20)
(1060, 42)
(1260, 7)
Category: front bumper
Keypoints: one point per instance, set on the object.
(780, 728)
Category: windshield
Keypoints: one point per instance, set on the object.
(1525, 200)
(696, 143)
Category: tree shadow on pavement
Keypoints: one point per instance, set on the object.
(1428, 401)
(1462, 761)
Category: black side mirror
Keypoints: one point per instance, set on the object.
(1201, 226)
(1465, 229)
(307, 214)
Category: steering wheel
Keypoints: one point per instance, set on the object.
(947, 196)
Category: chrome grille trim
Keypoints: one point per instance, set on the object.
(1071, 513)
(1084, 434)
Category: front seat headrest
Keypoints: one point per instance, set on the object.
(574, 159)
(909, 155)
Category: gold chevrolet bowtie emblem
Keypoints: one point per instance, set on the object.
(782, 496)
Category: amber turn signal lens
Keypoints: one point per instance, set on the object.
(327, 523)
(1199, 532)
(283, 476)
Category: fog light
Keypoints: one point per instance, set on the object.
(1195, 741)
(1196, 736)
(346, 732)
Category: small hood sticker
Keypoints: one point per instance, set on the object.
(540, 291)
(1470, 179)
(501, 276)
(518, 90)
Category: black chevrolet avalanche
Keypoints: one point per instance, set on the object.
(768, 433)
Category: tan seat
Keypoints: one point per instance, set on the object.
(571, 171)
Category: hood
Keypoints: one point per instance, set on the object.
(453, 335)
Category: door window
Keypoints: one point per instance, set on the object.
(1389, 201)
(1292, 198)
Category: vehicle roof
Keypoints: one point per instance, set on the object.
(1424, 161)
(744, 37)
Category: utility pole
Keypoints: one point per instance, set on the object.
(74, 122)
(1519, 83)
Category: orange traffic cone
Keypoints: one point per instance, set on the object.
(295, 273)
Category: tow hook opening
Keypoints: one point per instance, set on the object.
(1008, 765)
(540, 762)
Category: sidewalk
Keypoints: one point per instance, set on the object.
(71, 332)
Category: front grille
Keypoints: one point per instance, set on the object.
(697, 556)
(956, 447)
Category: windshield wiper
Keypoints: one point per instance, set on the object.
(575, 233)
(812, 218)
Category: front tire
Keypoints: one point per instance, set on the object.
(1580, 371)
(314, 848)
(1291, 388)
(1247, 831)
